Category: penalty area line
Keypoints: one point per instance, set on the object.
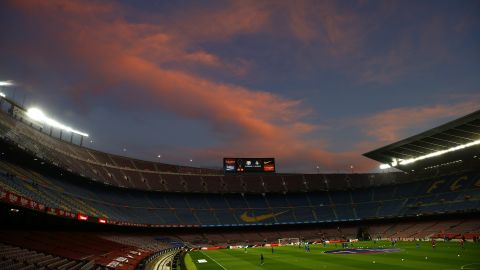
(467, 266)
(214, 260)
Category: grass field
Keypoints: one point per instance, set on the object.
(446, 256)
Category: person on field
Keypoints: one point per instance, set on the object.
(261, 259)
(462, 242)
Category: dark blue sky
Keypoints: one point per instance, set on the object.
(308, 82)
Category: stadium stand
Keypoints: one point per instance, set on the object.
(116, 204)
(16, 258)
(73, 250)
(56, 179)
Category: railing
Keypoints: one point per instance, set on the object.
(143, 265)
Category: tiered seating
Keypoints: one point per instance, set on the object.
(69, 155)
(470, 226)
(127, 172)
(273, 184)
(233, 184)
(173, 182)
(60, 243)
(212, 209)
(340, 232)
(213, 184)
(315, 182)
(406, 231)
(16, 258)
(234, 237)
(154, 181)
(361, 180)
(74, 250)
(192, 238)
(253, 184)
(145, 242)
(194, 183)
(337, 181)
(295, 182)
(468, 229)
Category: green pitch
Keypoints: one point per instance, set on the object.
(446, 256)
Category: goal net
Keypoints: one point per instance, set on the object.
(288, 241)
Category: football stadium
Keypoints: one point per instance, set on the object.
(186, 165)
(65, 206)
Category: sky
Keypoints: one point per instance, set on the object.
(311, 83)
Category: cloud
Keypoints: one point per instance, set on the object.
(221, 22)
(339, 31)
(391, 125)
(106, 50)
(114, 52)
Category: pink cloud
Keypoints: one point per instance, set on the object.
(117, 52)
(390, 125)
(157, 60)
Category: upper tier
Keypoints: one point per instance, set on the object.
(133, 173)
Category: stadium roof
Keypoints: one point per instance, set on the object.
(452, 134)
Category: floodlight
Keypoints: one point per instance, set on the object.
(37, 115)
(385, 166)
(6, 83)
(433, 154)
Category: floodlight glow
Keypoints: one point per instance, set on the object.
(384, 166)
(39, 116)
(434, 154)
(3, 95)
(6, 83)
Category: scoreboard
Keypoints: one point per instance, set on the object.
(247, 165)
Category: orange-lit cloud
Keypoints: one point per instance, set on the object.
(159, 58)
(118, 52)
(391, 125)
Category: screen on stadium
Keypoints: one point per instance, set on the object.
(246, 165)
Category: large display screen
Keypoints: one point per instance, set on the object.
(247, 165)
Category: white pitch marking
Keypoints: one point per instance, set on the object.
(470, 264)
(214, 260)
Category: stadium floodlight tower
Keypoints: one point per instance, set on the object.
(38, 116)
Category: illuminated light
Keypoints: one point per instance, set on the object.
(6, 83)
(3, 95)
(82, 217)
(385, 166)
(38, 115)
(102, 220)
(434, 154)
(438, 153)
(394, 162)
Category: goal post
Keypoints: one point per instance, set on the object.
(288, 241)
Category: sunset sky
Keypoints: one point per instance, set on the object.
(311, 83)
